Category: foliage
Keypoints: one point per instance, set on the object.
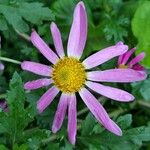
(109, 21)
(140, 26)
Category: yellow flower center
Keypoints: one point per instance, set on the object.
(121, 66)
(69, 75)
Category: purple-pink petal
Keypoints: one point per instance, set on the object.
(110, 92)
(104, 55)
(99, 112)
(1, 66)
(37, 68)
(43, 48)
(137, 59)
(125, 57)
(47, 98)
(32, 85)
(78, 32)
(72, 119)
(56, 35)
(117, 75)
(60, 113)
(138, 67)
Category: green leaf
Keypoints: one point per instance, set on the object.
(35, 12)
(141, 30)
(125, 121)
(13, 17)
(3, 24)
(145, 90)
(18, 117)
(88, 124)
(131, 139)
(2, 147)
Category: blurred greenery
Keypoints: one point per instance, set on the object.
(109, 21)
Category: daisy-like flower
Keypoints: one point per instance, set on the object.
(124, 62)
(69, 75)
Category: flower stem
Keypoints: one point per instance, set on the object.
(142, 103)
(10, 60)
(51, 138)
(23, 35)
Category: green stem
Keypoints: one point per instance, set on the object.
(52, 138)
(142, 103)
(23, 35)
(10, 60)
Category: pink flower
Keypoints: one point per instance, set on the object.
(70, 75)
(123, 61)
(3, 105)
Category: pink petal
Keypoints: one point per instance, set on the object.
(110, 92)
(120, 59)
(1, 66)
(126, 56)
(43, 48)
(37, 68)
(138, 67)
(32, 85)
(57, 39)
(117, 75)
(60, 113)
(72, 119)
(47, 98)
(78, 32)
(137, 59)
(104, 55)
(99, 112)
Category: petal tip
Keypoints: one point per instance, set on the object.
(81, 3)
(39, 108)
(72, 141)
(129, 98)
(54, 129)
(52, 25)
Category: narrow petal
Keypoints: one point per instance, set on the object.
(120, 59)
(138, 67)
(99, 112)
(1, 66)
(104, 55)
(126, 56)
(137, 59)
(110, 92)
(78, 32)
(43, 48)
(117, 75)
(60, 113)
(72, 119)
(57, 39)
(47, 98)
(37, 68)
(32, 85)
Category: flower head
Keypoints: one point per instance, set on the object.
(124, 62)
(69, 75)
(3, 105)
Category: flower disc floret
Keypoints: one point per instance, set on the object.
(69, 75)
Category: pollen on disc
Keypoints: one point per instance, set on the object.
(69, 75)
